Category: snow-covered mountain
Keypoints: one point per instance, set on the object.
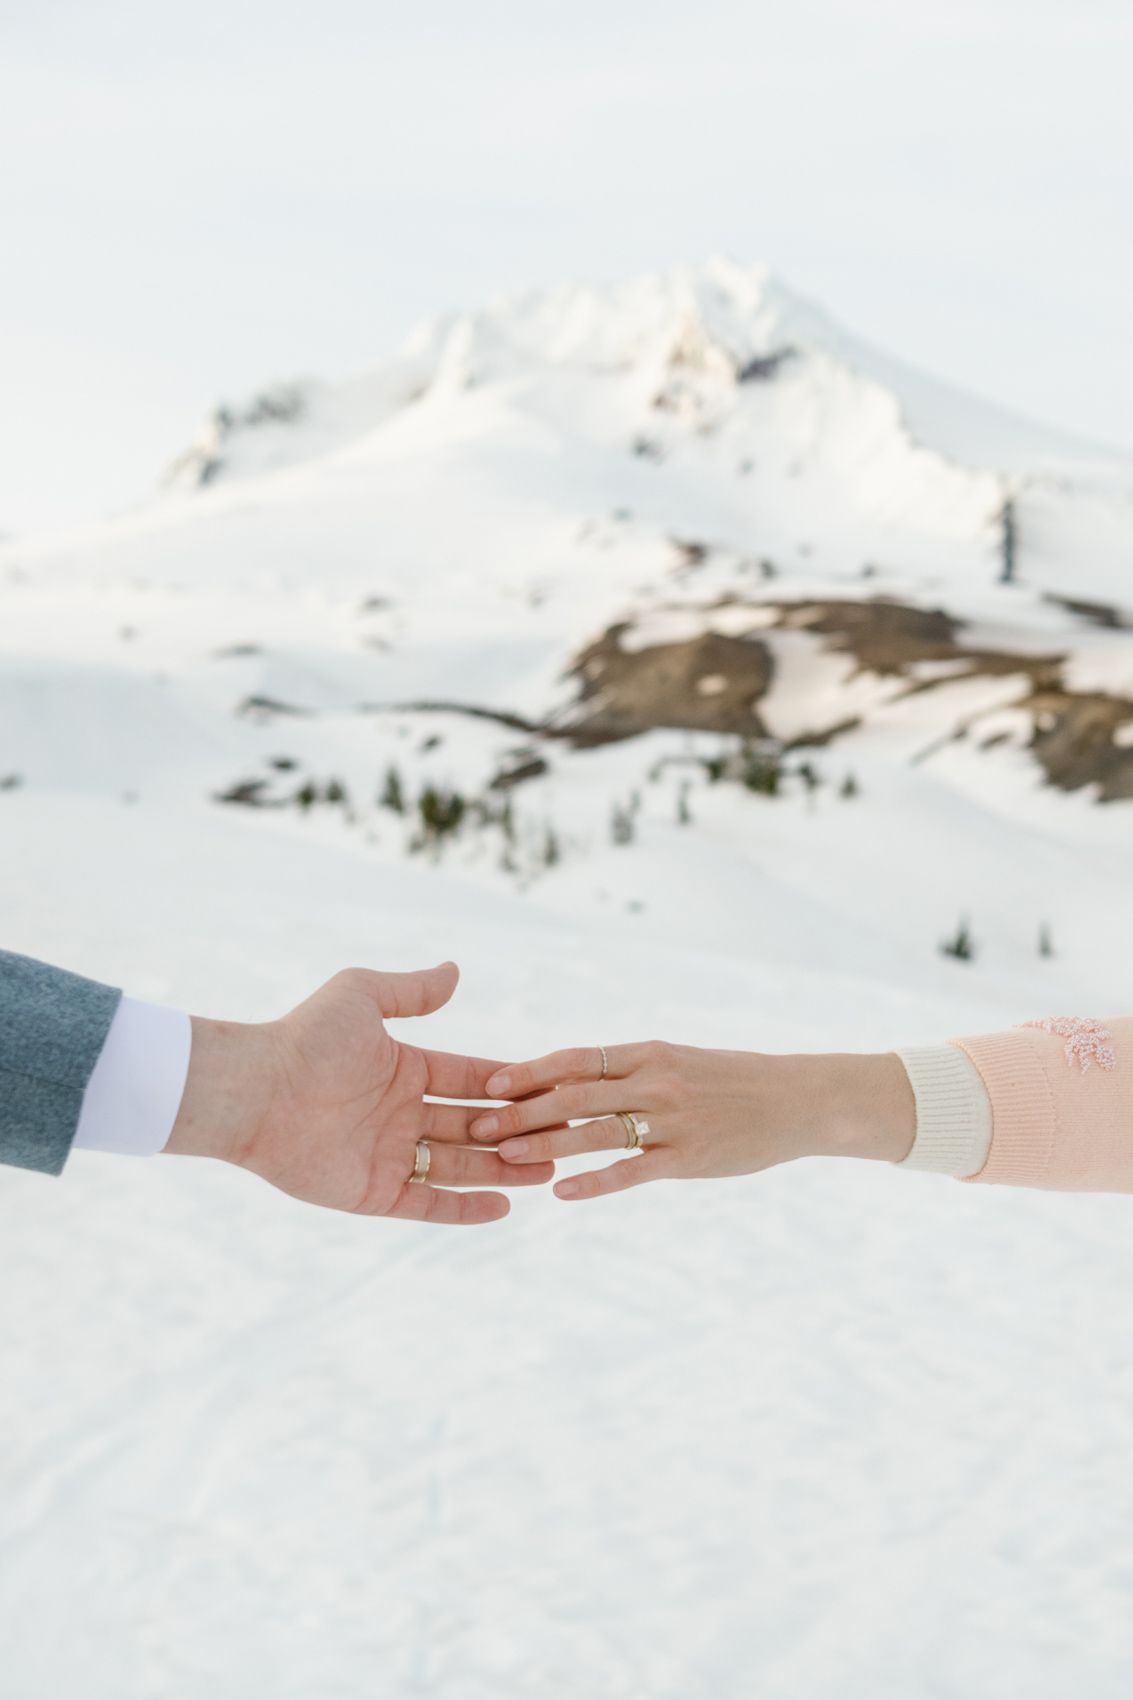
(681, 667)
(688, 505)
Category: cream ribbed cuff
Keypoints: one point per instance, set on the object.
(953, 1110)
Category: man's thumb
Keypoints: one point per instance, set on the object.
(419, 993)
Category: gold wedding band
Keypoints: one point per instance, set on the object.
(421, 1165)
(637, 1129)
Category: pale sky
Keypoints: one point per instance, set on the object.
(199, 199)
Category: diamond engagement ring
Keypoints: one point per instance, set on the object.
(637, 1129)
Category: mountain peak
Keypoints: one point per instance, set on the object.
(718, 319)
(688, 338)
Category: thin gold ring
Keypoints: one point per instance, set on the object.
(605, 1062)
(424, 1157)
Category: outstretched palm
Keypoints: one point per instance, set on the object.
(348, 1104)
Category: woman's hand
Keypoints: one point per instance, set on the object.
(710, 1113)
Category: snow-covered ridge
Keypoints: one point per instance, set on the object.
(793, 438)
(682, 516)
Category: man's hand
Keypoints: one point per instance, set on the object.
(327, 1106)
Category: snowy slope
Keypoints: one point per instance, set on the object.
(582, 569)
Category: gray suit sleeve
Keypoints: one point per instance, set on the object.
(53, 1026)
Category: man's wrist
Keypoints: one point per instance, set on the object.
(228, 1090)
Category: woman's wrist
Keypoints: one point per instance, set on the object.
(850, 1104)
(871, 1108)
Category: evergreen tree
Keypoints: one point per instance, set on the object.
(441, 812)
(621, 824)
(1008, 540)
(392, 797)
(961, 945)
(760, 772)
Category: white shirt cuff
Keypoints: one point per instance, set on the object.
(133, 1096)
(953, 1110)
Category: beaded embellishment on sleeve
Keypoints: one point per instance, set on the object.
(1085, 1039)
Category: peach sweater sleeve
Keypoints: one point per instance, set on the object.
(1046, 1104)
